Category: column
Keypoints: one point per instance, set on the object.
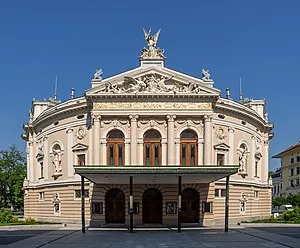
(131, 204)
(200, 151)
(231, 144)
(171, 140)
(46, 158)
(207, 140)
(133, 139)
(127, 149)
(179, 204)
(227, 204)
(102, 151)
(96, 132)
(164, 152)
(28, 160)
(70, 152)
(140, 152)
(252, 156)
(31, 159)
(82, 206)
(177, 152)
(91, 145)
(265, 163)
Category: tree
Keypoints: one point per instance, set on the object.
(12, 174)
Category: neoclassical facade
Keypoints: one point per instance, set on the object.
(135, 137)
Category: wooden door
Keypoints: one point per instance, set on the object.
(115, 152)
(190, 206)
(152, 153)
(188, 153)
(115, 206)
(152, 206)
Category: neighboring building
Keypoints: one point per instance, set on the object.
(277, 183)
(153, 125)
(290, 169)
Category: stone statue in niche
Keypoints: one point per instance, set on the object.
(56, 203)
(243, 156)
(56, 160)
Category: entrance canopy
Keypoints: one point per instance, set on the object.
(154, 174)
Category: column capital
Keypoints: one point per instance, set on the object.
(69, 130)
(171, 117)
(207, 118)
(231, 129)
(133, 117)
(96, 116)
(45, 138)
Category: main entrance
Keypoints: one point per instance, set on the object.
(152, 206)
(190, 206)
(115, 206)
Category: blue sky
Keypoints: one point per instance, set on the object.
(256, 40)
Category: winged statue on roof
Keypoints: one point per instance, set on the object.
(152, 51)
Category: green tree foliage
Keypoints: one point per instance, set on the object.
(12, 174)
(278, 201)
(291, 199)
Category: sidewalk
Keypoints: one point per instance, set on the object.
(66, 237)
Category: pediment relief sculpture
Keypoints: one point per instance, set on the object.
(152, 83)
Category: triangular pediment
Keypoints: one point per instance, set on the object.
(222, 146)
(153, 81)
(79, 147)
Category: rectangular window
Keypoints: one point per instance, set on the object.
(292, 160)
(220, 192)
(41, 195)
(298, 170)
(77, 193)
(297, 182)
(156, 155)
(120, 155)
(292, 183)
(97, 207)
(255, 194)
(298, 159)
(42, 169)
(292, 172)
(242, 207)
(274, 189)
(217, 192)
(220, 159)
(111, 155)
(256, 169)
(192, 158)
(147, 154)
(81, 159)
(183, 154)
(206, 207)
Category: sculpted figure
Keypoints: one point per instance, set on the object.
(98, 74)
(243, 155)
(205, 74)
(152, 51)
(56, 159)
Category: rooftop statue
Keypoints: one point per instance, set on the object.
(152, 52)
(98, 74)
(205, 75)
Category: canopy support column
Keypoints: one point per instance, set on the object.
(131, 205)
(227, 204)
(82, 206)
(179, 203)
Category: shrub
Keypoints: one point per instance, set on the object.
(293, 215)
(30, 221)
(7, 217)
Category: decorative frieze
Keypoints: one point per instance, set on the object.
(153, 106)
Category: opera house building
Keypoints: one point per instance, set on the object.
(148, 146)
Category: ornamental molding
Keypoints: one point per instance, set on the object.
(79, 147)
(222, 147)
(153, 105)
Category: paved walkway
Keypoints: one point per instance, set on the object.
(66, 237)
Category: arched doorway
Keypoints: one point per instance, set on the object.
(115, 148)
(115, 206)
(188, 148)
(152, 206)
(152, 148)
(190, 206)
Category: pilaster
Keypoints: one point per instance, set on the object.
(96, 136)
(140, 145)
(200, 152)
(265, 164)
(46, 158)
(133, 139)
(177, 151)
(164, 152)
(207, 140)
(231, 144)
(171, 140)
(70, 152)
(252, 152)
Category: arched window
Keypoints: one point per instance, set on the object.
(152, 148)
(115, 148)
(188, 148)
